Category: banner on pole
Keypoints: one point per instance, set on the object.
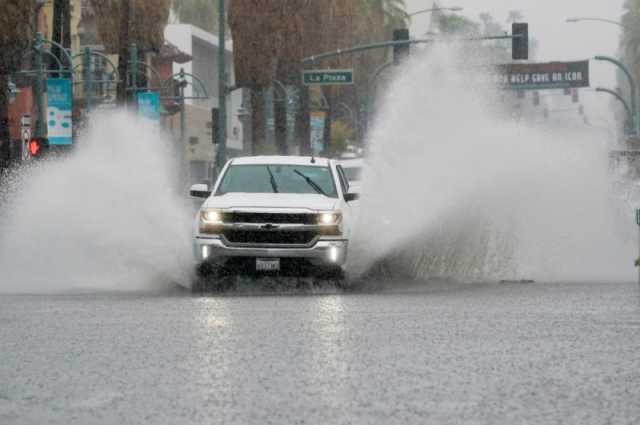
(149, 106)
(59, 111)
(317, 120)
(542, 76)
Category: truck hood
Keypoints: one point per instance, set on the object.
(270, 201)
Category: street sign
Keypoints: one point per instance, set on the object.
(328, 77)
(25, 121)
(25, 138)
(13, 92)
(541, 76)
(59, 107)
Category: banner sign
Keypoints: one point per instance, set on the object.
(317, 120)
(59, 110)
(149, 106)
(542, 76)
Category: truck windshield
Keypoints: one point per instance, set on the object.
(275, 178)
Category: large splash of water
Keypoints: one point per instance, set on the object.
(457, 188)
(107, 217)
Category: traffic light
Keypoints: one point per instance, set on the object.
(215, 114)
(37, 147)
(536, 98)
(574, 96)
(401, 51)
(520, 41)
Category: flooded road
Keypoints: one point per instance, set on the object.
(484, 354)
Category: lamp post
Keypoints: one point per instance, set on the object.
(630, 117)
(609, 21)
(437, 9)
(632, 85)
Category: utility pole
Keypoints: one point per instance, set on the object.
(221, 155)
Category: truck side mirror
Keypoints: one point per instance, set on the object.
(200, 190)
(349, 197)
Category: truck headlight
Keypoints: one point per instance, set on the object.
(210, 216)
(329, 217)
(211, 221)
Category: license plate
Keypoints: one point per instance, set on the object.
(267, 264)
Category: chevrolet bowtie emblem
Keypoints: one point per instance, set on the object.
(270, 226)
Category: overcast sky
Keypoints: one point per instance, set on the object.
(557, 39)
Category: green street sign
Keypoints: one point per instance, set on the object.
(328, 77)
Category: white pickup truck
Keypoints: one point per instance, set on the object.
(288, 215)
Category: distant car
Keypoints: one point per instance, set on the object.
(353, 169)
(285, 214)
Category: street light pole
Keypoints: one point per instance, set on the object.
(40, 129)
(87, 72)
(437, 9)
(632, 85)
(630, 116)
(609, 21)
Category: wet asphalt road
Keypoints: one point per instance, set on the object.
(489, 354)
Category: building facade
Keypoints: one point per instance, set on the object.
(198, 138)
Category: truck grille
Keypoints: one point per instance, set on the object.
(278, 237)
(273, 218)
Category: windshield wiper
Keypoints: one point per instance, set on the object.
(274, 185)
(311, 183)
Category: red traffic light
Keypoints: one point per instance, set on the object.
(37, 147)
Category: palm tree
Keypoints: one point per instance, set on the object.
(200, 13)
(15, 36)
(122, 22)
(631, 34)
(271, 37)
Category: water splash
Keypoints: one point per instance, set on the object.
(107, 217)
(457, 189)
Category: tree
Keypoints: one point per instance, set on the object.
(15, 36)
(271, 37)
(341, 134)
(630, 43)
(200, 13)
(61, 28)
(515, 16)
(394, 13)
(458, 25)
(631, 35)
(122, 22)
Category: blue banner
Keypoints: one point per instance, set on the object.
(317, 120)
(59, 111)
(149, 106)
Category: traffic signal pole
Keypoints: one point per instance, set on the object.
(221, 154)
(364, 47)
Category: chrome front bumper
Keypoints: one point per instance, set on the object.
(325, 252)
